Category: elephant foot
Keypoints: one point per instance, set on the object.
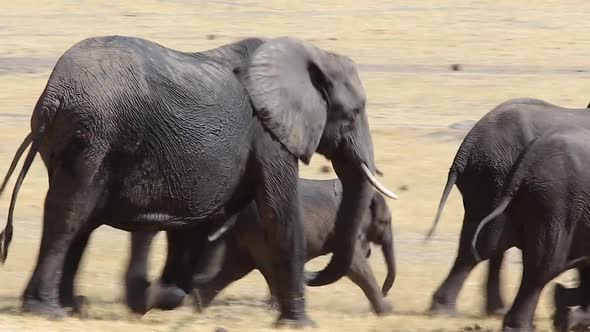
(290, 323)
(78, 304)
(442, 309)
(164, 297)
(50, 310)
(572, 319)
(135, 296)
(384, 308)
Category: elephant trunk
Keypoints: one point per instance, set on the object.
(356, 197)
(354, 163)
(389, 256)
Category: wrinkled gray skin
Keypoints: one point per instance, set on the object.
(245, 248)
(141, 137)
(545, 202)
(480, 168)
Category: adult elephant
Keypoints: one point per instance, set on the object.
(545, 202)
(244, 247)
(142, 137)
(480, 169)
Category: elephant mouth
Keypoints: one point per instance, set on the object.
(375, 183)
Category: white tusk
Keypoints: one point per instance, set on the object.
(218, 233)
(373, 180)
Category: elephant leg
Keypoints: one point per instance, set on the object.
(272, 301)
(491, 243)
(445, 297)
(71, 266)
(362, 275)
(69, 204)
(520, 315)
(281, 220)
(176, 279)
(544, 256)
(234, 267)
(572, 305)
(136, 278)
(494, 303)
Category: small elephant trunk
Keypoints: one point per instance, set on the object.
(389, 255)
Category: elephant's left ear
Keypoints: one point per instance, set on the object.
(284, 81)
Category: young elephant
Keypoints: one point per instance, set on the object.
(545, 204)
(244, 248)
(480, 168)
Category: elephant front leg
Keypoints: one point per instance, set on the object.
(362, 275)
(280, 216)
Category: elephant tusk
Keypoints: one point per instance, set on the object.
(218, 233)
(373, 180)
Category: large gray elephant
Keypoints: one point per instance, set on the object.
(545, 201)
(244, 247)
(142, 137)
(480, 168)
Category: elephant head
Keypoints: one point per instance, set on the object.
(378, 230)
(313, 101)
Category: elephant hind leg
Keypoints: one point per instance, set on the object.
(492, 242)
(445, 297)
(361, 274)
(544, 256)
(70, 202)
(71, 267)
(494, 302)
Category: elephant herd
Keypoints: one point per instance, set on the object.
(205, 146)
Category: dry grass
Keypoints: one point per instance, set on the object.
(404, 50)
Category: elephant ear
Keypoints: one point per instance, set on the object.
(284, 80)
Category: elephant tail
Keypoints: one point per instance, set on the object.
(45, 113)
(497, 211)
(19, 152)
(451, 180)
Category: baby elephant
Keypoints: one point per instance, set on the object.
(546, 203)
(244, 247)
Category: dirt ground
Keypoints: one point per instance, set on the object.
(419, 111)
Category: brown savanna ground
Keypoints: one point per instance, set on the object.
(404, 49)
